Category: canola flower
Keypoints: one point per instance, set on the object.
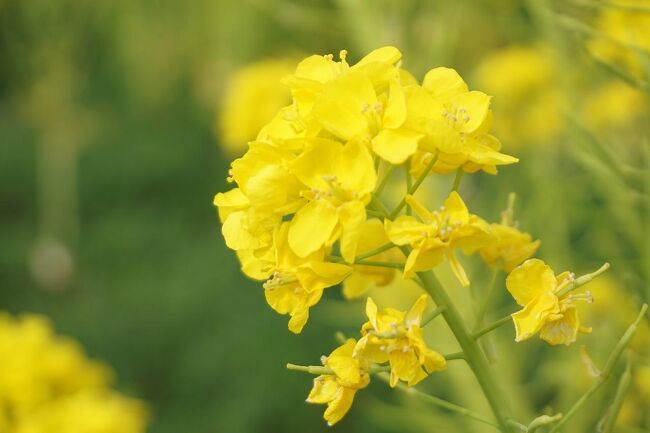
(252, 97)
(47, 384)
(305, 214)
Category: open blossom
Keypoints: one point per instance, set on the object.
(546, 310)
(295, 284)
(396, 337)
(508, 248)
(454, 122)
(437, 234)
(339, 180)
(338, 390)
(256, 85)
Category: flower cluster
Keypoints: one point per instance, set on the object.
(48, 385)
(306, 214)
(390, 336)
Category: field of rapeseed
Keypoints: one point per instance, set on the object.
(334, 215)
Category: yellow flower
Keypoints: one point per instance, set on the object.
(437, 234)
(554, 315)
(623, 32)
(295, 284)
(313, 74)
(615, 104)
(522, 80)
(253, 96)
(454, 122)
(396, 337)
(337, 390)
(509, 247)
(47, 384)
(340, 179)
(266, 192)
(364, 278)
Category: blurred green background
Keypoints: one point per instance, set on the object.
(109, 161)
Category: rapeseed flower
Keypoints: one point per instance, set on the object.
(295, 284)
(508, 248)
(547, 310)
(395, 337)
(47, 384)
(435, 235)
(337, 390)
(256, 85)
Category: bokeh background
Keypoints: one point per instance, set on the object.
(117, 124)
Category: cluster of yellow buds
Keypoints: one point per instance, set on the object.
(307, 214)
(47, 384)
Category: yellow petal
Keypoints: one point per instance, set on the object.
(405, 366)
(352, 216)
(414, 315)
(252, 266)
(443, 82)
(561, 331)
(455, 209)
(318, 160)
(529, 280)
(339, 109)
(355, 169)
(405, 230)
(241, 234)
(472, 110)
(532, 317)
(458, 269)
(371, 312)
(396, 145)
(324, 390)
(229, 202)
(317, 275)
(337, 408)
(311, 227)
(395, 110)
(386, 54)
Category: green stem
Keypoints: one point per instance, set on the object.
(384, 180)
(375, 251)
(486, 299)
(454, 356)
(473, 354)
(444, 404)
(379, 264)
(409, 183)
(491, 327)
(374, 213)
(415, 186)
(432, 315)
(457, 178)
(617, 403)
(318, 369)
(607, 371)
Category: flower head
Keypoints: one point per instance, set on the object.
(509, 247)
(337, 390)
(547, 310)
(436, 234)
(396, 337)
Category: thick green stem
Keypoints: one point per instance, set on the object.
(471, 350)
(617, 403)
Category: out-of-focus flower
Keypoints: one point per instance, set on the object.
(554, 315)
(253, 96)
(337, 390)
(509, 247)
(47, 384)
(623, 33)
(527, 100)
(613, 105)
(396, 337)
(437, 234)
